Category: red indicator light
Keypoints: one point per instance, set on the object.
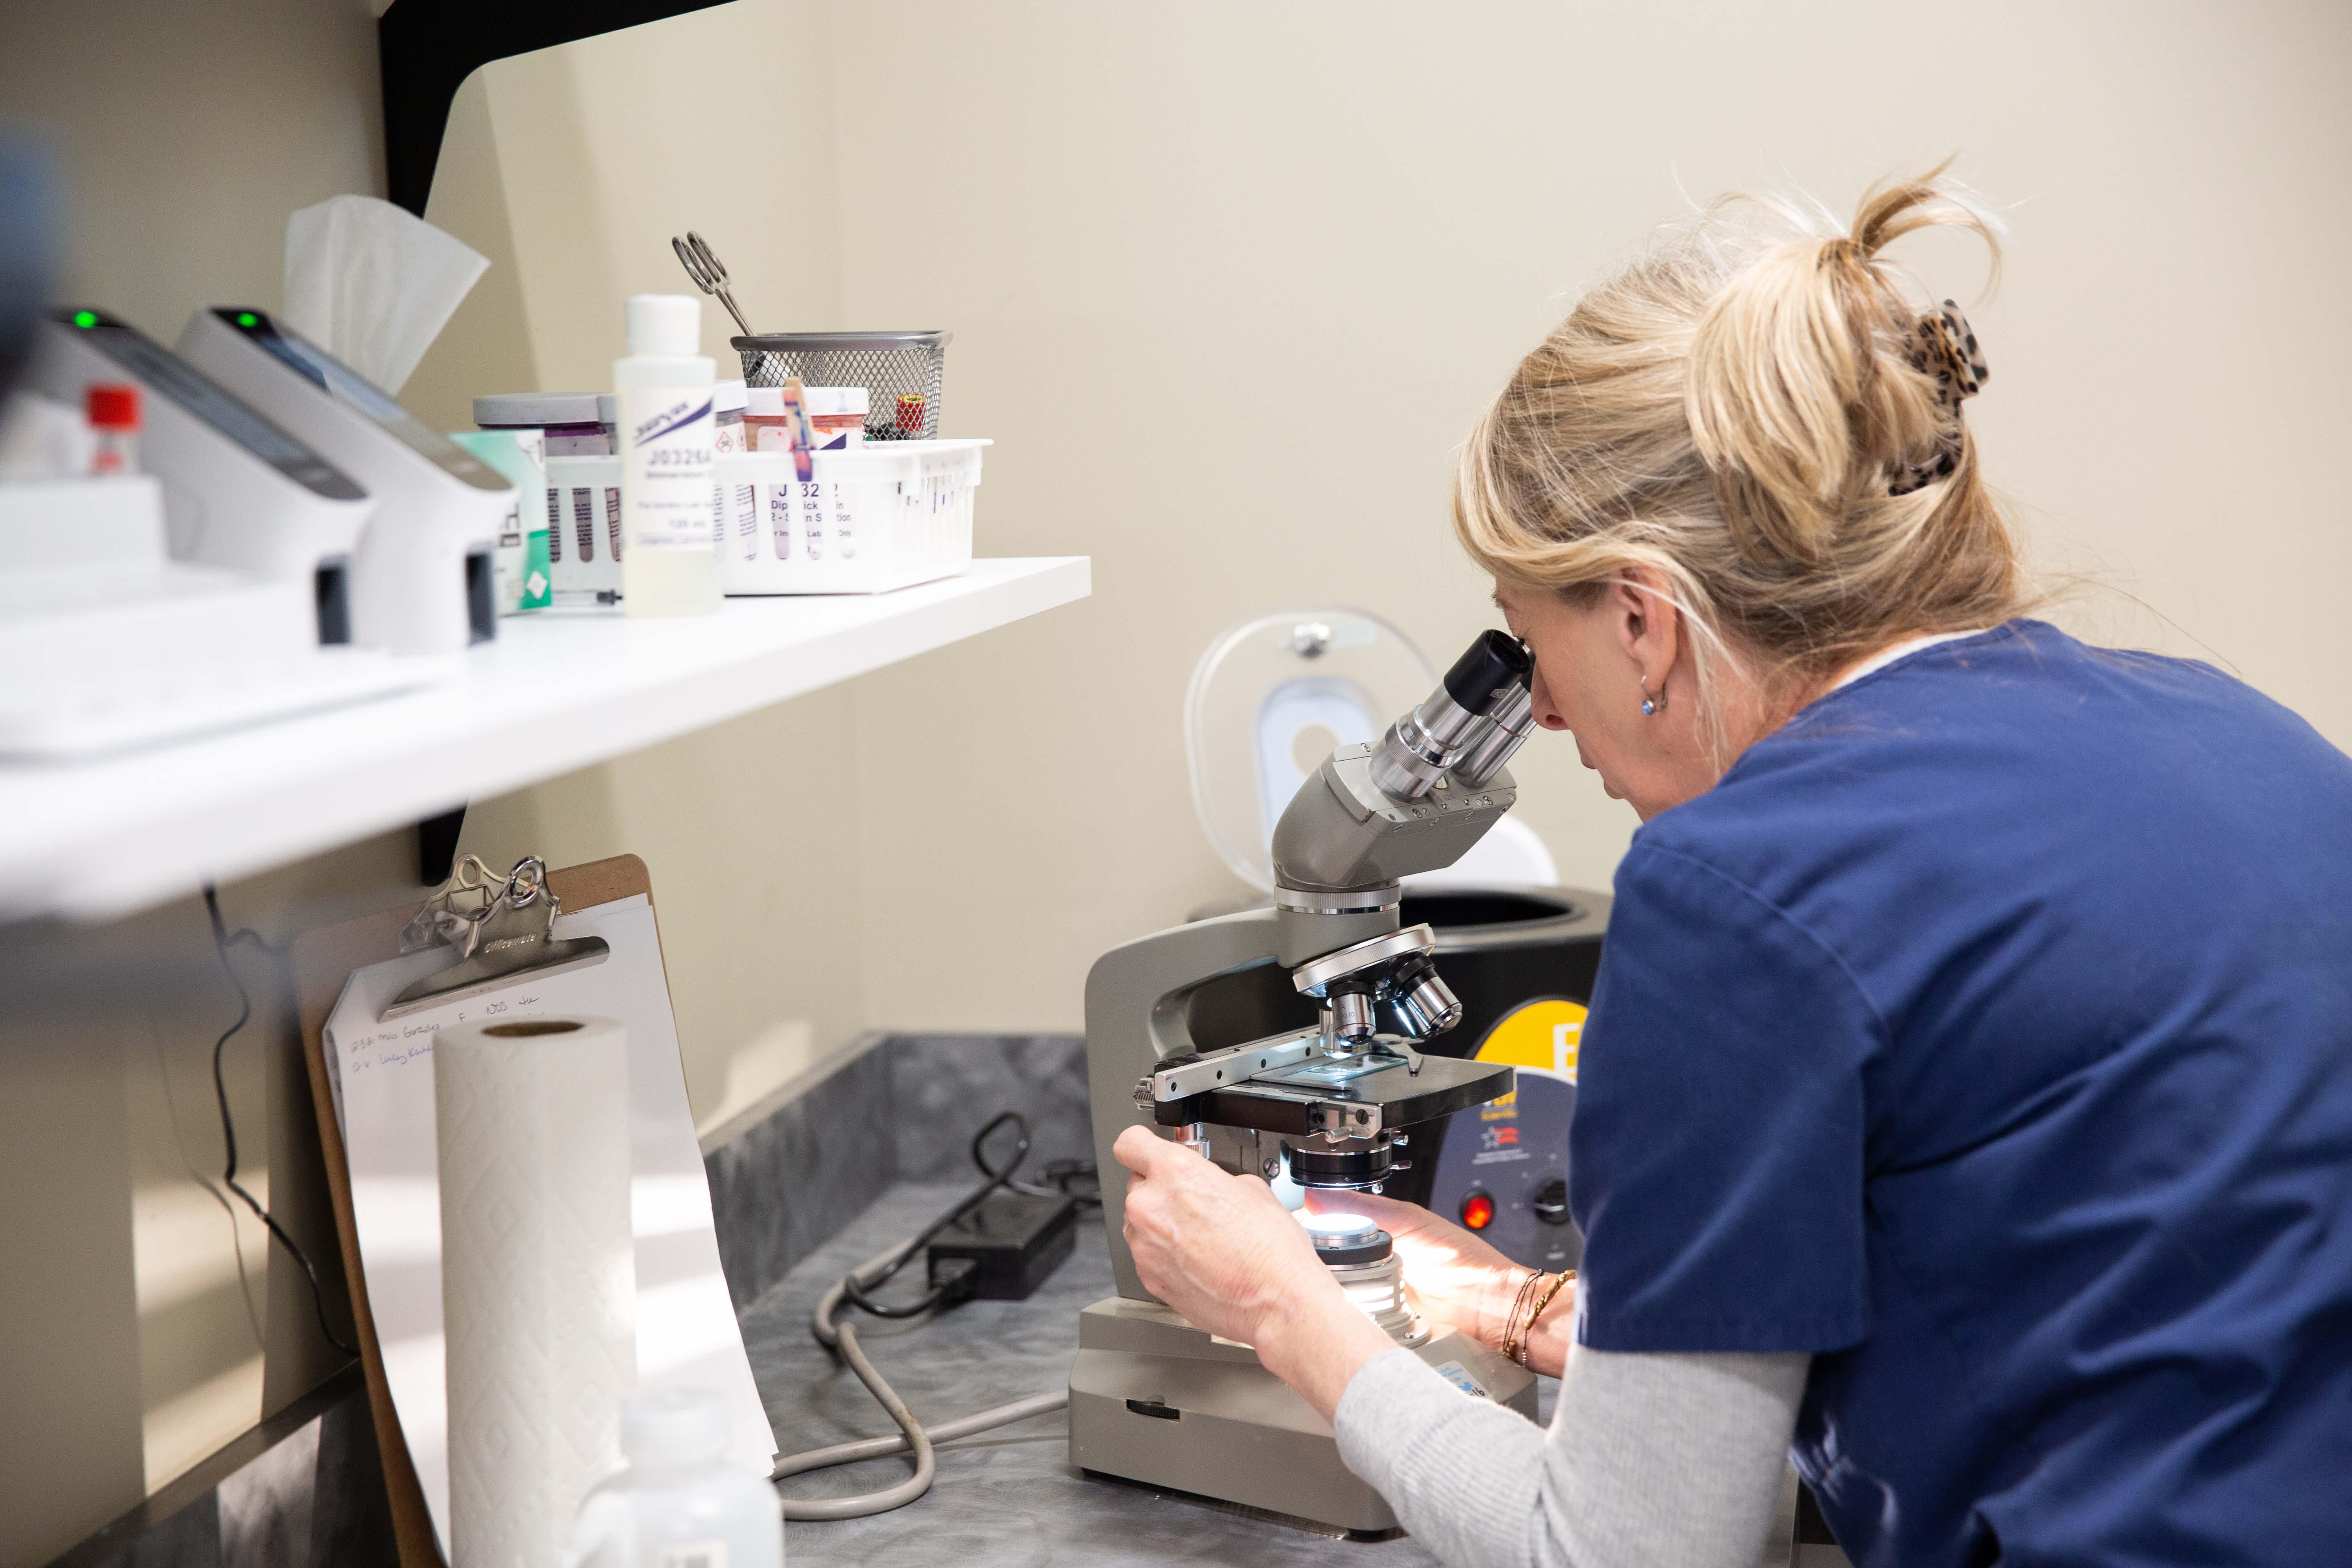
(1477, 1211)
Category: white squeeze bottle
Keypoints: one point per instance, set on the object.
(670, 566)
(681, 1504)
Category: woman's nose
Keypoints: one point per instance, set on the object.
(1546, 714)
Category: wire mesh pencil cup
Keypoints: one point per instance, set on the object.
(904, 373)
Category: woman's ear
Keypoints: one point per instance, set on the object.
(1645, 624)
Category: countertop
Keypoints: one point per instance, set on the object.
(1004, 1498)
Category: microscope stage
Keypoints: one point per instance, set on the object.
(1393, 1097)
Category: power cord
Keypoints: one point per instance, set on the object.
(842, 1338)
(1061, 1177)
(222, 942)
(855, 1287)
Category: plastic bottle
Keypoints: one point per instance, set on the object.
(681, 1504)
(669, 563)
(113, 414)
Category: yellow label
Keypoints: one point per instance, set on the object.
(1538, 1037)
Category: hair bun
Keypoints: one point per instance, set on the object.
(1815, 382)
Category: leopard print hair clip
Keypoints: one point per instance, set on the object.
(1944, 349)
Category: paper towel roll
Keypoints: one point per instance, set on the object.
(538, 1277)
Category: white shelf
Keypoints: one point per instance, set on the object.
(556, 691)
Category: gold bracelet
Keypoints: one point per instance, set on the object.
(1557, 1283)
(1511, 1317)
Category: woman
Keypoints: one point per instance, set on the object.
(1966, 1106)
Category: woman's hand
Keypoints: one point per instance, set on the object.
(1455, 1277)
(1219, 1248)
(1223, 1250)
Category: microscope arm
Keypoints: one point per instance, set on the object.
(1126, 1042)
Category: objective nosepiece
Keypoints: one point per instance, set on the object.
(1351, 1014)
(1429, 1007)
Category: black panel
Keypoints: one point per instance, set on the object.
(429, 48)
(436, 847)
(481, 597)
(332, 585)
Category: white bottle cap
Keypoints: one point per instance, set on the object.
(667, 325)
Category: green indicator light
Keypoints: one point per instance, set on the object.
(247, 319)
(85, 319)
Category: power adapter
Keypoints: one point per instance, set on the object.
(1004, 1249)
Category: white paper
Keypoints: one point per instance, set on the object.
(686, 1332)
(373, 284)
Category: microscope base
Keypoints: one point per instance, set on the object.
(1153, 1399)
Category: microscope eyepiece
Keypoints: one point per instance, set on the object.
(1487, 685)
(1495, 661)
(1514, 719)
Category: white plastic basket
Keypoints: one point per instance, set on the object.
(870, 519)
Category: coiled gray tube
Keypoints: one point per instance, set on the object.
(913, 1434)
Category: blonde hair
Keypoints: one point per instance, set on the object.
(1733, 409)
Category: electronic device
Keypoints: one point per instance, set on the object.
(1003, 1247)
(110, 644)
(423, 577)
(1335, 1103)
(239, 490)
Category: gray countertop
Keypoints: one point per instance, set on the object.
(1002, 1498)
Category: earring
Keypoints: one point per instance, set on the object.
(1653, 706)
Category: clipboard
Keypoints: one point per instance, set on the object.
(322, 962)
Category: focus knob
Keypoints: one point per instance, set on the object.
(1550, 1202)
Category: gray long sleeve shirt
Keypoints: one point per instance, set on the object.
(1650, 1461)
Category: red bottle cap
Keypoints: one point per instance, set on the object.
(111, 407)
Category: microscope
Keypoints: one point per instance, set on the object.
(1334, 1105)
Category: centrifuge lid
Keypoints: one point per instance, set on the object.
(1273, 697)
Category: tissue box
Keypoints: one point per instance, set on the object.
(869, 519)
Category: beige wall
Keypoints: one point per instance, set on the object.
(753, 851)
(1228, 280)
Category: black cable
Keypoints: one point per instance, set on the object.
(222, 942)
(1061, 1173)
(854, 1289)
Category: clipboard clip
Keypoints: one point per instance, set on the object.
(503, 928)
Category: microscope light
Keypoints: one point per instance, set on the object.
(1336, 1225)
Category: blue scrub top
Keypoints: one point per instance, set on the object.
(1988, 1033)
